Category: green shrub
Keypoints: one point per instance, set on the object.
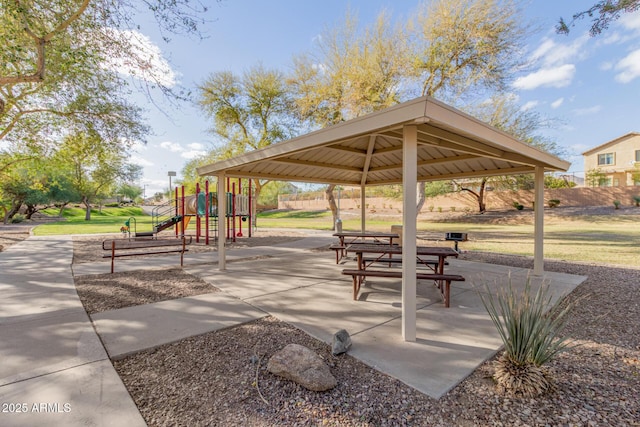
(112, 205)
(430, 208)
(553, 203)
(518, 205)
(17, 218)
(530, 334)
(616, 204)
(439, 208)
(636, 200)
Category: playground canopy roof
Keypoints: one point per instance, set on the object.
(368, 150)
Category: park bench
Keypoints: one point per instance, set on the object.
(125, 247)
(443, 280)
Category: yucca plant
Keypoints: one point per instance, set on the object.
(530, 333)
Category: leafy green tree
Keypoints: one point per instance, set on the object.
(464, 50)
(505, 114)
(93, 168)
(466, 47)
(602, 13)
(20, 186)
(57, 70)
(249, 112)
(129, 191)
(596, 178)
(437, 188)
(270, 192)
(557, 182)
(349, 74)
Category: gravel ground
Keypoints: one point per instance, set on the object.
(220, 378)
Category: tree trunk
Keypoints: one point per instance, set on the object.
(15, 208)
(61, 211)
(479, 196)
(87, 207)
(481, 204)
(332, 204)
(31, 209)
(421, 197)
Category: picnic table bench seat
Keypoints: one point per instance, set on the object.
(443, 280)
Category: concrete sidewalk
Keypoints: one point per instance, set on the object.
(54, 369)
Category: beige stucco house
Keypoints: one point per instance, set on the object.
(618, 160)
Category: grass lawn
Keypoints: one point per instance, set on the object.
(104, 221)
(602, 239)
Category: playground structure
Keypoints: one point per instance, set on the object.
(204, 207)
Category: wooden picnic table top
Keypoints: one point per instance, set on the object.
(440, 251)
(366, 234)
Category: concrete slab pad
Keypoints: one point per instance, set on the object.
(40, 344)
(447, 349)
(88, 395)
(132, 329)
(326, 307)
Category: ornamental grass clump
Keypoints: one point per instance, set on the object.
(530, 333)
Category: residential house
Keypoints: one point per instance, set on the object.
(615, 163)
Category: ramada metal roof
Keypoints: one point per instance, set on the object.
(368, 150)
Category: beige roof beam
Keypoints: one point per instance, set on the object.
(458, 140)
(317, 164)
(503, 155)
(367, 161)
(296, 178)
(477, 174)
(428, 162)
(347, 149)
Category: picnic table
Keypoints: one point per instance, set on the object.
(442, 280)
(348, 238)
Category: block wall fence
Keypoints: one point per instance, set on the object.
(495, 200)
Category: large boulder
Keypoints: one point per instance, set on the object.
(301, 365)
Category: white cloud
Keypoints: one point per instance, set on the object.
(551, 54)
(529, 105)
(587, 111)
(194, 150)
(144, 59)
(171, 146)
(557, 103)
(628, 67)
(141, 161)
(560, 76)
(630, 21)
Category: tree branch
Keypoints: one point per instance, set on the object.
(40, 41)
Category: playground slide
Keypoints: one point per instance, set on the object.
(167, 223)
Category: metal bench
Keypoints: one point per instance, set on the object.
(125, 247)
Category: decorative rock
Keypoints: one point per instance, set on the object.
(301, 365)
(341, 342)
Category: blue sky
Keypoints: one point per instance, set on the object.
(590, 86)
